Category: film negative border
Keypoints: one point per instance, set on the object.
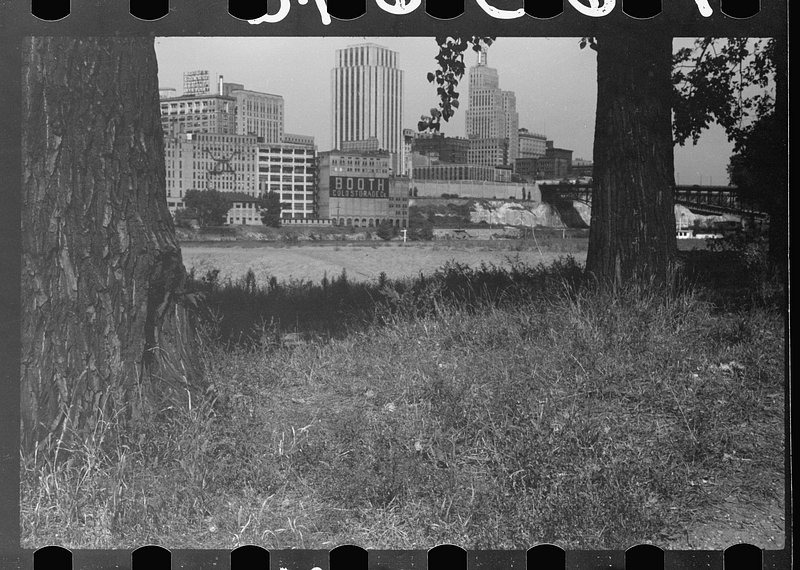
(182, 17)
(349, 557)
(351, 10)
(380, 17)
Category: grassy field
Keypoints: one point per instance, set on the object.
(485, 406)
(366, 259)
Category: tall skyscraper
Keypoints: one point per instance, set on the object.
(367, 96)
(492, 121)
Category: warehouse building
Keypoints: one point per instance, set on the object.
(356, 189)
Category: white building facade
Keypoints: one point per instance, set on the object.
(289, 170)
(367, 99)
(209, 161)
(221, 136)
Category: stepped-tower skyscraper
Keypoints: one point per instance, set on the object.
(492, 121)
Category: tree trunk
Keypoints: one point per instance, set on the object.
(632, 234)
(104, 331)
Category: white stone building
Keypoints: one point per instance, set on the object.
(289, 170)
(367, 99)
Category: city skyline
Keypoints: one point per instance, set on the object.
(555, 90)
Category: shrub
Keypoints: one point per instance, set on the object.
(421, 231)
(386, 230)
(210, 206)
(185, 218)
(271, 210)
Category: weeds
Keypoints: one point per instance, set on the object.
(486, 407)
(241, 312)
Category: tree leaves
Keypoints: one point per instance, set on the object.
(588, 41)
(210, 206)
(728, 81)
(450, 70)
(270, 209)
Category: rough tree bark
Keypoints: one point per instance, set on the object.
(105, 333)
(632, 234)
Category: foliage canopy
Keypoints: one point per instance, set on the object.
(209, 206)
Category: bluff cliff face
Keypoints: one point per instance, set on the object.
(466, 212)
(516, 214)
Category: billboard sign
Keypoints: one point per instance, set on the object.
(359, 187)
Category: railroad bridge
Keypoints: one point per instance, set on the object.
(707, 200)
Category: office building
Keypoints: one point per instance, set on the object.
(371, 144)
(210, 105)
(210, 161)
(256, 113)
(491, 117)
(224, 137)
(409, 136)
(489, 151)
(367, 99)
(582, 168)
(289, 170)
(356, 189)
(555, 164)
(201, 82)
(451, 172)
(531, 145)
(167, 92)
(198, 114)
(453, 150)
(292, 138)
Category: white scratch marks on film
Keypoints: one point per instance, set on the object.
(500, 14)
(283, 11)
(400, 7)
(595, 10)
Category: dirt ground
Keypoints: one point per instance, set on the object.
(740, 519)
(361, 261)
(759, 524)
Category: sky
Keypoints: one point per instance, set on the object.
(554, 81)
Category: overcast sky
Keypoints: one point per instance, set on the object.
(555, 88)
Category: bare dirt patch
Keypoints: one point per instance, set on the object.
(736, 522)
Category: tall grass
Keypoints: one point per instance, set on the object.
(244, 312)
(490, 408)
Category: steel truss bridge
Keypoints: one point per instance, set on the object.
(706, 200)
